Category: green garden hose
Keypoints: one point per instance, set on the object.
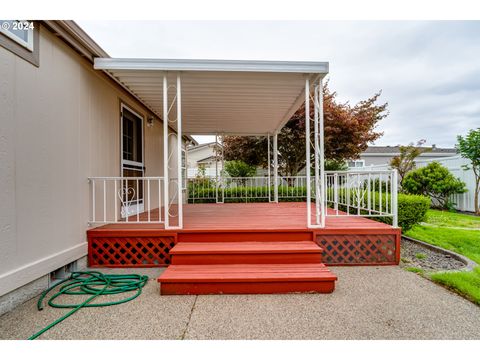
(92, 284)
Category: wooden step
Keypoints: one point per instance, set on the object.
(246, 252)
(246, 279)
(245, 235)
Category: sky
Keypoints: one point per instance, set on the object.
(428, 72)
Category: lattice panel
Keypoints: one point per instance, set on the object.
(358, 249)
(131, 251)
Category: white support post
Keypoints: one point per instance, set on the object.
(216, 168)
(269, 169)
(318, 196)
(179, 153)
(275, 166)
(307, 150)
(166, 198)
(395, 199)
(322, 152)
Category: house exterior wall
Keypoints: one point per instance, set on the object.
(382, 159)
(198, 154)
(59, 124)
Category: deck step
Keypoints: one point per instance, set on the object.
(245, 252)
(246, 279)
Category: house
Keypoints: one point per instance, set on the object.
(204, 156)
(95, 164)
(61, 122)
(382, 155)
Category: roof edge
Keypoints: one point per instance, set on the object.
(307, 67)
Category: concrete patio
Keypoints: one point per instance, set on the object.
(368, 303)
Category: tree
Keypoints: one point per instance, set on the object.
(405, 162)
(348, 131)
(469, 148)
(238, 168)
(436, 181)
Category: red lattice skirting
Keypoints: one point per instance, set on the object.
(360, 249)
(131, 251)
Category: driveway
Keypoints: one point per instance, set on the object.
(368, 303)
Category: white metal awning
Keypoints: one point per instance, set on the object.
(220, 96)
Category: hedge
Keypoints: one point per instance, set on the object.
(412, 209)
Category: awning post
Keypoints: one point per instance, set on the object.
(307, 150)
(166, 197)
(179, 153)
(275, 166)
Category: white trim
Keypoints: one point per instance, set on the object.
(16, 278)
(308, 67)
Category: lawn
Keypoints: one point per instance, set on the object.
(441, 228)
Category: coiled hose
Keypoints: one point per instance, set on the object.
(92, 283)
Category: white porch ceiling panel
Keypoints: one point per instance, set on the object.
(229, 97)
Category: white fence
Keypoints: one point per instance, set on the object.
(465, 201)
(126, 199)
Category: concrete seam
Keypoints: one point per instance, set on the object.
(189, 318)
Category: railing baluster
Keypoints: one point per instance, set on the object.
(116, 203)
(93, 200)
(104, 201)
(138, 202)
(148, 197)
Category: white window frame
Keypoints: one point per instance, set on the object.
(26, 44)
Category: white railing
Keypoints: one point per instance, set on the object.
(126, 200)
(368, 193)
(362, 193)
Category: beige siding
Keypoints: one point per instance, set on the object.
(59, 124)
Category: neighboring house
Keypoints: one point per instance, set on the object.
(381, 155)
(61, 122)
(207, 156)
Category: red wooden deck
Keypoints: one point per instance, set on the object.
(245, 248)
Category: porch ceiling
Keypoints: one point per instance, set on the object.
(220, 96)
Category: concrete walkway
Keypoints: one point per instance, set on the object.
(368, 303)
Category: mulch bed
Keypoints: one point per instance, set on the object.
(431, 261)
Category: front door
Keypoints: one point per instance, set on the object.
(131, 193)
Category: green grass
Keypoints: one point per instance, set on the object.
(464, 283)
(420, 256)
(465, 242)
(450, 219)
(415, 270)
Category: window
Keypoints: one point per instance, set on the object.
(20, 31)
(356, 163)
(21, 37)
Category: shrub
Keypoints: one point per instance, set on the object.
(238, 168)
(412, 209)
(435, 181)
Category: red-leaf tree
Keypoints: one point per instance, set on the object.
(348, 131)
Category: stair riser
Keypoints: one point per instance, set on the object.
(211, 259)
(244, 236)
(324, 287)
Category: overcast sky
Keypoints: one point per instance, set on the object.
(429, 72)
